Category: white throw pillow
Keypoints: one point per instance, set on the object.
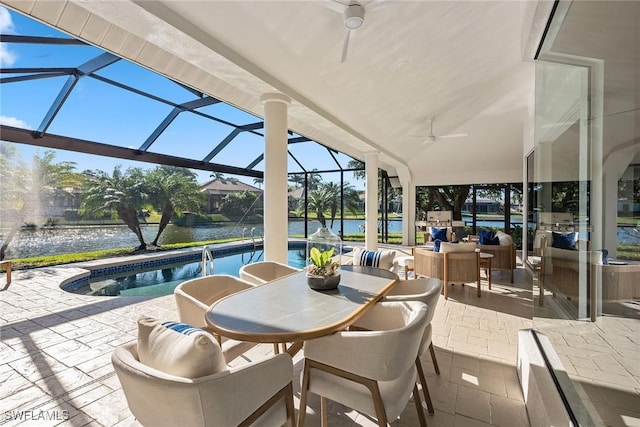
(380, 259)
(178, 349)
(505, 239)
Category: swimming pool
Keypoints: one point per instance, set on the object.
(154, 281)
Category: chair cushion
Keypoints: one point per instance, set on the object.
(439, 233)
(178, 349)
(381, 259)
(564, 240)
(457, 247)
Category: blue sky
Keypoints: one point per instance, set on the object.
(100, 112)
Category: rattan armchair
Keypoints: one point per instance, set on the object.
(456, 263)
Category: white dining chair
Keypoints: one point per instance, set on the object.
(176, 375)
(262, 272)
(427, 291)
(193, 298)
(364, 369)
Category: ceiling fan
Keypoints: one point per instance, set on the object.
(433, 138)
(353, 18)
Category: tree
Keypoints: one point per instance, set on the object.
(297, 179)
(319, 202)
(357, 164)
(122, 194)
(258, 182)
(237, 204)
(217, 176)
(314, 179)
(449, 198)
(27, 189)
(172, 191)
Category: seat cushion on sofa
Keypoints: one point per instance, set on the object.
(178, 349)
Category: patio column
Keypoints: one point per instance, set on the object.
(275, 176)
(408, 206)
(371, 200)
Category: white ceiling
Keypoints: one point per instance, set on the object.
(460, 62)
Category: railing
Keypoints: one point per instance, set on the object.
(207, 260)
(253, 237)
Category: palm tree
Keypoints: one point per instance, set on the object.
(314, 179)
(297, 179)
(28, 188)
(258, 182)
(319, 201)
(217, 176)
(123, 194)
(172, 191)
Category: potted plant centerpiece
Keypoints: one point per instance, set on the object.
(323, 271)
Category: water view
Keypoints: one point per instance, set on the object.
(60, 240)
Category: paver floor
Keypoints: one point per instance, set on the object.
(56, 346)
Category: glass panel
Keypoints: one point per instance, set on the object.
(584, 179)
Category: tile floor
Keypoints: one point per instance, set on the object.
(55, 354)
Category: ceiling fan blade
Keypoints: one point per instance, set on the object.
(454, 135)
(345, 45)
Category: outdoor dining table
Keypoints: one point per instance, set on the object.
(287, 310)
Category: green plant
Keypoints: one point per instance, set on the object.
(322, 263)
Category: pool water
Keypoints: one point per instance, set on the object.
(158, 282)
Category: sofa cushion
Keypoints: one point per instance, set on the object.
(564, 240)
(178, 349)
(380, 259)
(439, 233)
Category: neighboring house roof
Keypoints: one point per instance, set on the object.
(224, 186)
(297, 193)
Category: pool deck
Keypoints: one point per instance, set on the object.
(56, 347)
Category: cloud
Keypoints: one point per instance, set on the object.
(7, 58)
(13, 121)
(6, 22)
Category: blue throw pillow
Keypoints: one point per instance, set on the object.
(488, 240)
(487, 234)
(439, 234)
(564, 240)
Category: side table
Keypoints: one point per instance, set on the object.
(485, 262)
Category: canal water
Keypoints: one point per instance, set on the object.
(60, 240)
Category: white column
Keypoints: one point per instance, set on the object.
(275, 176)
(371, 201)
(408, 206)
